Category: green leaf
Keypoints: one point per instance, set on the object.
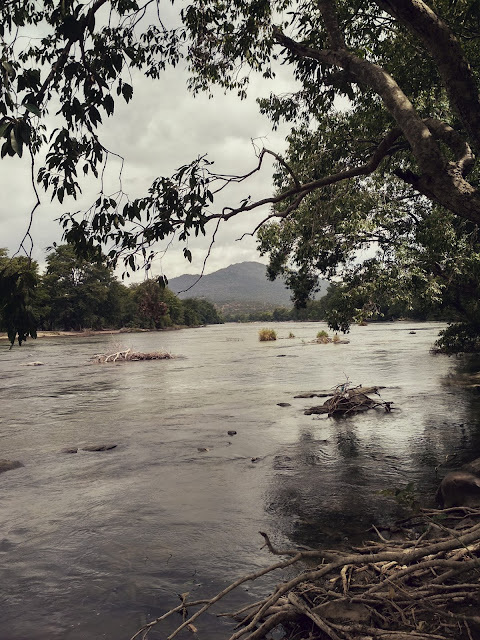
(33, 109)
(16, 143)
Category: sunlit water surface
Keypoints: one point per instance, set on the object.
(93, 545)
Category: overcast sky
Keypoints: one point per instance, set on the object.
(162, 128)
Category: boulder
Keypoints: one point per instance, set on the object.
(8, 465)
(459, 489)
(98, 447)
(473, 467)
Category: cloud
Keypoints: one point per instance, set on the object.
(162, 128)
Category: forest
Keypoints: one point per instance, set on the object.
(74, 294)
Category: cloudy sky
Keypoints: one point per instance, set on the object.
(161, 129)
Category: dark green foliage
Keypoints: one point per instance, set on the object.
(78, 294)
(18, 280)
(199, 312)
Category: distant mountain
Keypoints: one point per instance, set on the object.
(245, 282)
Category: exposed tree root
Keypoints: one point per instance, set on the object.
(129, 356)
(427, 588)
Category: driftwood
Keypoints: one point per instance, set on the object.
(128, 355)
(345, 400)
(427, 588)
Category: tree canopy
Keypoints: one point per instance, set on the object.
(392, 167)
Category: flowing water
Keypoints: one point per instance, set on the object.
(94, 544)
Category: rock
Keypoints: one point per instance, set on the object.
(232, 433)
(342, 610)
(69, 450)
(473, 466)
(202, 449)
(36, 363)
(255, 459)
(8, 465)
(459, 489)
(98, 447)
(283, 404)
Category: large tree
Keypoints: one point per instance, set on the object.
(407, 68)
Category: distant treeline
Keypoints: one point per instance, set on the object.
(325, 309)
(74, 294)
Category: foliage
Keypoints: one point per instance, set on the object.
(393, 173)
(75, 293)
(267, 335)
(79, 293)
(18, 279)
(200, 312)
(405, 496)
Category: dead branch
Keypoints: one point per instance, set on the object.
(386, 595)
(128, 355)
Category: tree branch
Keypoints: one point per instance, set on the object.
(444, 48)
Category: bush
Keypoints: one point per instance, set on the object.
(264, 335)
(322, 337)
(291, 335)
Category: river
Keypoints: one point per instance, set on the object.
(94, 544)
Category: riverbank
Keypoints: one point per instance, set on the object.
(94, 332)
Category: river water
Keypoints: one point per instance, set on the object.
(94, 544)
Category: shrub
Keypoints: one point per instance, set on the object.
(291, 335)
(322, 337)
(264, 335)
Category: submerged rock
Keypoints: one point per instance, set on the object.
(98, 447)
(283, 404)
(8, 465)
(69, 450)
(232, 433)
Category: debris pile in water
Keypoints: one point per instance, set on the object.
(129, 356)
(347, 400)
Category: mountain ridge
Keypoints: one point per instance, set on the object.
(243, 282)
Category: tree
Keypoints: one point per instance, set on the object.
(80, 294)
(197, 312)
(407, 68)
(18, 280)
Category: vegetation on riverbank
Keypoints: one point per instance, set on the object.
(74, 294)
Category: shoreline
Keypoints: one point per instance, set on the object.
(88, 333)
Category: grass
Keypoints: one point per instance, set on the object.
(322, 337)
(266, 335)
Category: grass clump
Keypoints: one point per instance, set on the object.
(322, 337)
(266, 335)
(291, 335)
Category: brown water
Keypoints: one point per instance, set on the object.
(94, 544)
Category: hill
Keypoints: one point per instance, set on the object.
(239, 284)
